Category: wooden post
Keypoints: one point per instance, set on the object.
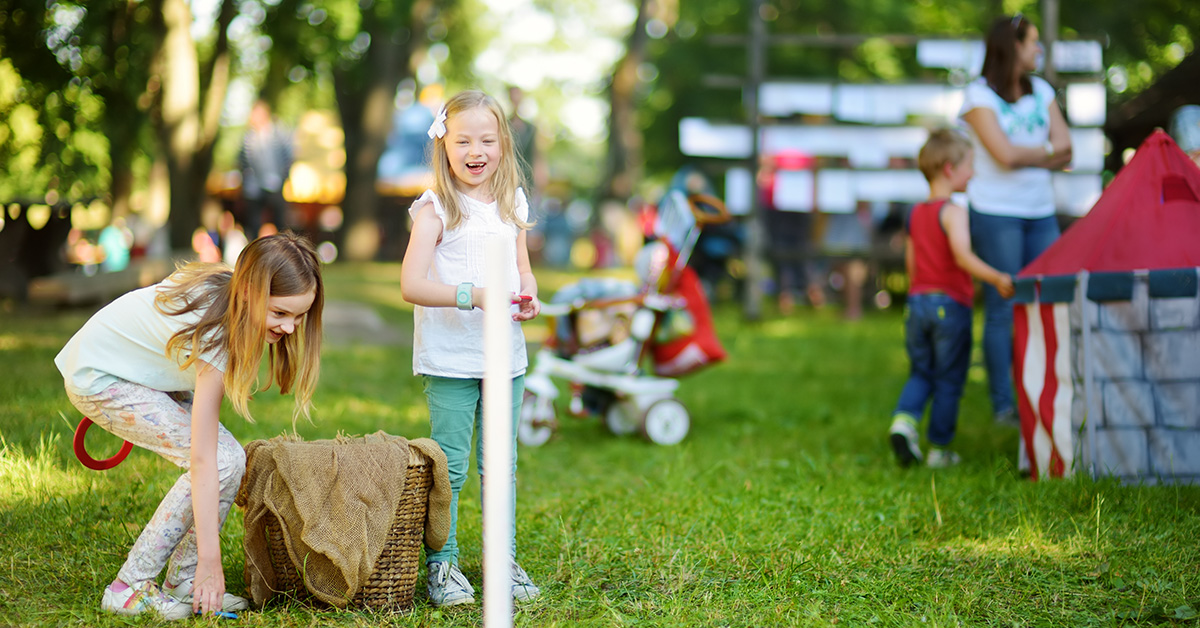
(756, 55)
(1049, 36)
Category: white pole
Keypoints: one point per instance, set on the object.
(497, 437)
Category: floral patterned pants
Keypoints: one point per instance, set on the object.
(162, 423)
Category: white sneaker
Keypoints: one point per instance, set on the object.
(523, 588)
(183, 592)
(448, 586)
(144, 598)
(904, 439)
(942, 458)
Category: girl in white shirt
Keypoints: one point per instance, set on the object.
(475, 198)
(1020, 135)
(152, 368)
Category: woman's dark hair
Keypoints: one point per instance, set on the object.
(1000, 56)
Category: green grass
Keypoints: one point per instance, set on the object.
(782, 507)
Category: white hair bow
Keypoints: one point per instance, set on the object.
(438, 128)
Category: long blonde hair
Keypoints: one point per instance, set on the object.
(505, 180)
(234, 319)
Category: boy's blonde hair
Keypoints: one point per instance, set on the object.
(235, 305)
(944, 146)
(505, 180)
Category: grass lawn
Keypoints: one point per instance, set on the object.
(783, 507)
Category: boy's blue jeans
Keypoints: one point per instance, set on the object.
(937, 336)
(1008, 245)
(455, 415)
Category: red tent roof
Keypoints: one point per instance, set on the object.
(1147, 218)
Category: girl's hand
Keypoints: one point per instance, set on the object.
(208, 590)
(529, 307)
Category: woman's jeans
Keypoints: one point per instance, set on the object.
(1008, 245)
(937, 337)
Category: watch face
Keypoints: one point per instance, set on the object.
(463, 298)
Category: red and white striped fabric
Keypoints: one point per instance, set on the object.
(1043, 377)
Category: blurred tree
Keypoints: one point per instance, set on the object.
(120, 75)
(101, 75)
(623, 162)
(50, 139)
(367, 47)
(187, 108)
(1137, 51)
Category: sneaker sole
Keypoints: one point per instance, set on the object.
(458, 602)
(177, 611)
(900, 446)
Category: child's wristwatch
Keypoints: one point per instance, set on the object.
(463, 297)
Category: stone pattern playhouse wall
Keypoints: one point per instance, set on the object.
(1145, 353)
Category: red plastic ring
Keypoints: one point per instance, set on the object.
(90, 462)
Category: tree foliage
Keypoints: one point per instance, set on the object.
(51, 108)
(89, 83)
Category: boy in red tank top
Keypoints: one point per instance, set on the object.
(937, 326)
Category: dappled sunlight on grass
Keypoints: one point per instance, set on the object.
(786, 328)
(383, 295)
(13, 342)
(1023, 543)
(38, 475)
(347, 407)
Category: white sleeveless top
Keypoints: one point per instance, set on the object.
(1000, 191)
(447, 341)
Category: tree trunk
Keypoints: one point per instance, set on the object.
(623, 165)
(366, 107)
(1049, 38)
(187, 125)
(122, 118)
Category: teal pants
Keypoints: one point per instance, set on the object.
(455, 415)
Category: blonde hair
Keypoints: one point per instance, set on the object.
(234, 320)
(944, 146)
(506, 178)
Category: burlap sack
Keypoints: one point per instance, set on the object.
(335, 501)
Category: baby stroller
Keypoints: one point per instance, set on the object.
(603, 330)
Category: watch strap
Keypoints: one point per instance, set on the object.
(462, 297)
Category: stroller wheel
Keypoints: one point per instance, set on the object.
(666, 422)
(537, 421)
(621, 418)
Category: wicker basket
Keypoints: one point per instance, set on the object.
(391, 585)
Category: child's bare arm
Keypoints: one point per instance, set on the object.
(955, 222)
(415, 285)
(531, 308)
(209, 589)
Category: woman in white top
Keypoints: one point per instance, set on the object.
(1020, 136)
